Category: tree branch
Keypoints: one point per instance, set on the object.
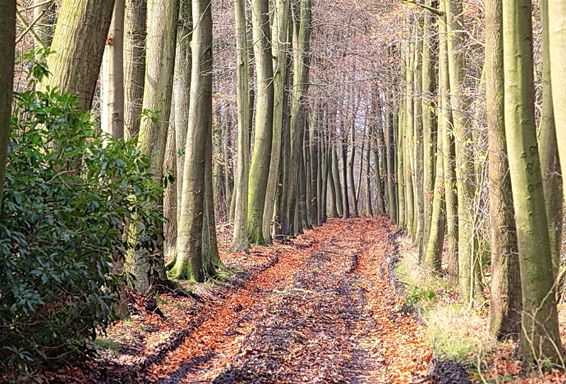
(430, 9)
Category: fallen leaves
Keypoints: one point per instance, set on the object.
(318, 310)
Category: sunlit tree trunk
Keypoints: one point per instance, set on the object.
(280, 45)
(449, 157)
(152, 137)
(193, 238)
(112, 110)
(469, 268)
(134, 65)
(549, 156)
(434, 242)
(182, 90)
(557, 56)
(263, 128)
(78, 46)
(428, 120)
(505, 297)
(540, 339)
(240, 236)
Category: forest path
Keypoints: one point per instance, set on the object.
(324, 313)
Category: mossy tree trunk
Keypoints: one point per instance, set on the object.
(469, 268)
(557, 56)
(505, 298)
(548, 143)
(195, 240)
(448, 152)
(240, 236)
(301, 18)
(540, 339)
(263, 127)
(280, 45)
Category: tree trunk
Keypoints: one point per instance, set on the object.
(469, 268)
(557, 55)
(301, 35)
(7, 55)
(134, 65)
(112, 118)
(550, 162)
(448, 150)
(160, 62)
(195, 213)
(428, 120)
(182, 90)
(505, 297)
(280, 45)
(540, 337)
(263, 128)
(437, 226)
(240, 236)
(78, 46)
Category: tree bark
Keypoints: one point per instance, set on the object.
(194, 225)
(540, 339)
(134, 65)
(280, 46)
(112, 110)
(263, 128)
(505, 296)
(240, 237)
(7, 55)
(78, 46)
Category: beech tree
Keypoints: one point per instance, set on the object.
(540, 338)
(78, 46)
(197, 254)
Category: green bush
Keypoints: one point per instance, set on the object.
(70, 192)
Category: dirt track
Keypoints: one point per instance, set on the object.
(323, 313)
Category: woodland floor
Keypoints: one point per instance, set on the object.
(320, 309)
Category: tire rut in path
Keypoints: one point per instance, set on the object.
(308, 320)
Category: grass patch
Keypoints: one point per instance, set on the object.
(455, 332)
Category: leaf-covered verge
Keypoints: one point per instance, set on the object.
(458, 333)
(70, 191)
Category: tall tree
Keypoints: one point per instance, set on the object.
(548, 143)
(540, 339)
(134, 65)
(152, 136)
(469, 268)
(7, 54)
(240, 237)
(78, 46)
(280, 46)
(505, 297)
(301, 14)
(196, 245)
(112, 114)
(263, 128)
